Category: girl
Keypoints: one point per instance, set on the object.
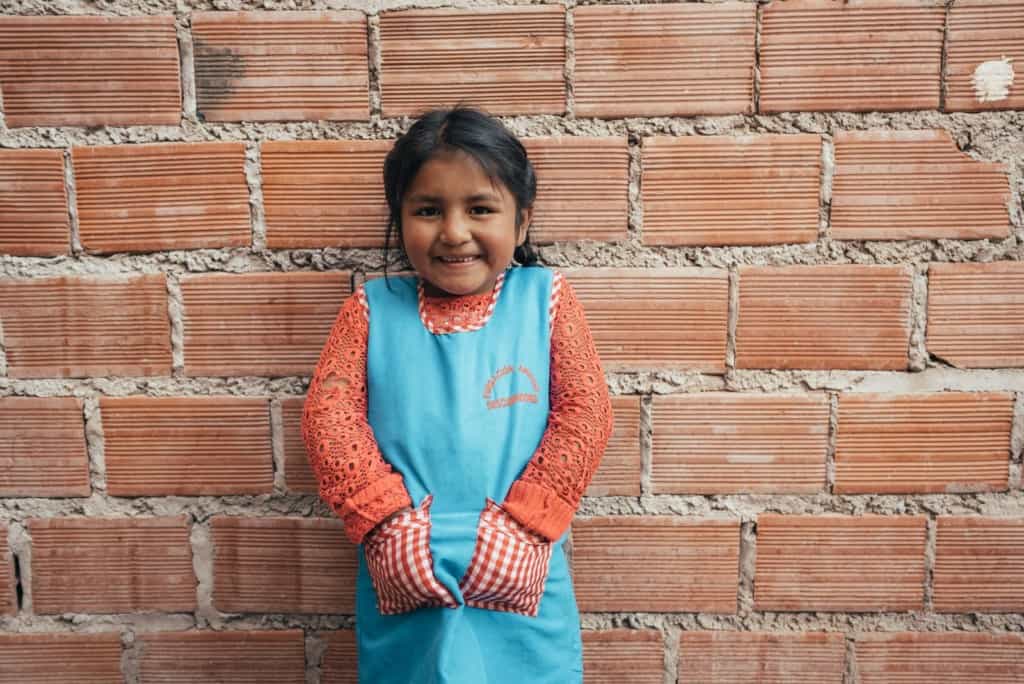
(471, 383)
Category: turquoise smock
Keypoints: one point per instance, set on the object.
(428, 407)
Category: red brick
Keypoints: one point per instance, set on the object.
(78, 327)
(187, 446)
(976, 314)
(981, 31)
(283, 565)
(508, 60)
(298, 474)
(900, 185)
(42, 447)
(940, 658)
(111, 565)
(269, 324)
(664, 60)
(623, 656)
(324, 193)
(225, 657)
(582, 188)
(822, 317)
(761, 658)
(60, 657)
(89, 71)
(820, 55)
(340, 659)
(140, 198)
(978, 565)
(731, 190)
(923, 443)
(724, 442)
(619, 472)
(839, 563)
(8, 581)
(655, 564)
(33, 203)
(683, 313)
(281, 66)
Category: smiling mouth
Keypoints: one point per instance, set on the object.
(457, 260)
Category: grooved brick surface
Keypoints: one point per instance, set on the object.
(724, 442)
(582, 188)
(819, 55)
(839, 563)
(655, 564)
(226, 657)
(324, 193)
(268, 324)
(298, 474)
(111, 565)
(683, 313)
(282, 565)
(664, 59)
(976, 314)
(899, 185)
(623, 656)
(989, 33)
(927, 443)
(280, 66)
(731, 190)
(826, 316)
(89, 71)
(619, 472)
(8, 582)
(978, 564)
(80, 327)
(761, 657)
(940, 658)
(508, 60)
(187, 446)
(137, 198)
(33, 202)
(42, 447)
(46, 658)
(340, 659)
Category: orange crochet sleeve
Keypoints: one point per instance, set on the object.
(355, 480)
(546, 495)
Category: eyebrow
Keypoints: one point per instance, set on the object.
(479, 197)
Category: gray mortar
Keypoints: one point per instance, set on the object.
(316, 647)
(94, 445)
(746, 563)
(257, 214)
(175, 315)
(671, 649)
(646, 446)
(203, 553)
(569, 68)
(131, 657)
(1017, 442)
(930, 535)
(277, 447)
(187, 64)
(917, 352)
(373, 58)
(72, 200)
(20, 543)
(832, 438)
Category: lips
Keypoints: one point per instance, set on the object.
(457, 259)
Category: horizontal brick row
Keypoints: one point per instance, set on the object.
(280, 66)
(824, 562)
(828, 316)
(695, 190)
(610, 656)
(703, 443)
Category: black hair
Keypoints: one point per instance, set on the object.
(474, 132)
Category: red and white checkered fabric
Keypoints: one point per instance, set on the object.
(509, 565)
(400, 565)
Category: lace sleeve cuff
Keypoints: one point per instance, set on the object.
(369, 506)
(539, 509)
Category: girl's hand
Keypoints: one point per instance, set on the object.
(509, 566)
(400, 565)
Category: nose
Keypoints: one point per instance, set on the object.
(454, 230)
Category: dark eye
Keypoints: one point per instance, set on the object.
(425, 211)
(482, 210)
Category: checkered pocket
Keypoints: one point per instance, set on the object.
(401, 566)
(509, 566)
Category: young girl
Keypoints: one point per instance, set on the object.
(471, 383)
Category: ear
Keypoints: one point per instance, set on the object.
(525, 216)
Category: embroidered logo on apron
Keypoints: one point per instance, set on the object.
(505, 402)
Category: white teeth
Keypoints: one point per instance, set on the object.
(458, 260)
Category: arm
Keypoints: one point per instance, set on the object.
(355, 480)
(546, 495)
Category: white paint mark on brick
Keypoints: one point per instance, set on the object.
(992, 80)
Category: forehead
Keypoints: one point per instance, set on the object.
(453, 175)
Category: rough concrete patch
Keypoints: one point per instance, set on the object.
(917, 352)
(202, 564)
(94, 445)
(254, 181)
(747, 563)
(373, 57)
(176, 316)
(20, 543)
(277, 446)
(316, 647)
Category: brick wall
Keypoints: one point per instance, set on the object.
(797, 230)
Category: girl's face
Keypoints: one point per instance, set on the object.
(458, 227)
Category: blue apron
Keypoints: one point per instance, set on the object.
(436, 409)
